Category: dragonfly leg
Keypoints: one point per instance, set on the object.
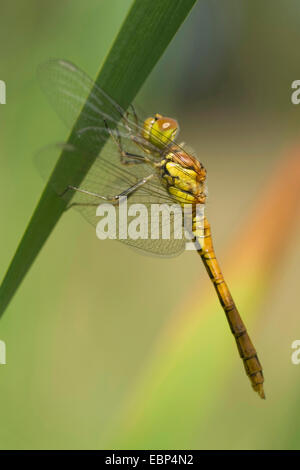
(126, 157)
(134, 115)
(111, 199)
(125, 118)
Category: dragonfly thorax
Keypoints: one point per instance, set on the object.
(184, 177)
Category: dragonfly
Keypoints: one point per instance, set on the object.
(115, 154)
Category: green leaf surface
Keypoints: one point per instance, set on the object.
(146, 32)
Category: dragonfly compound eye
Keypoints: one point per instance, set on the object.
(163, 131)
(147, 127)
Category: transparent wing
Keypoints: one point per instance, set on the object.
(71, 92)
(67, 88)
(109, 177)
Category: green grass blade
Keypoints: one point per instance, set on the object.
(146, 32)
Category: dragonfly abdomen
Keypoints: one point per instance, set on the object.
(245, 346)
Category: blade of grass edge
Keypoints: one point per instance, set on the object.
(126, 67)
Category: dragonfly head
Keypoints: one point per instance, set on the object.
(160, 130)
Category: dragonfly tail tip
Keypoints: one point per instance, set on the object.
(260, 391)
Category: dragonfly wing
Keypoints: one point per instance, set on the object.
(69, 90)
(72, 92)
(108, 177)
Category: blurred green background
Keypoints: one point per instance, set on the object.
(110, 349)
